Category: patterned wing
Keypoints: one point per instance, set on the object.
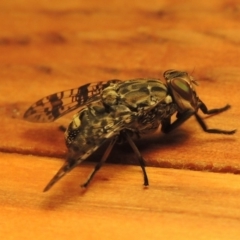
(54, 106)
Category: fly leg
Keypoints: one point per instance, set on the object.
(167, 126)
(103, 159)
(205, 110)
(213, 130)
(139, 156)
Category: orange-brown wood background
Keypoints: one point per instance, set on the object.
(49, 46)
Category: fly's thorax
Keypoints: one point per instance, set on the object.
(121, 113)
(110, 96)
(166, 110)
(139, 93)
(181, 87)
(147, 121)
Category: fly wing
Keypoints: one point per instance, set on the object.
(95, 128)
(54, 106)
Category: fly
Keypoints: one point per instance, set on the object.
(116, 109)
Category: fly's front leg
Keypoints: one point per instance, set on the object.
(167, 126)
(212, 130)
(205, 110)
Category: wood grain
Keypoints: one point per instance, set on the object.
(47, 47)
(178, 204)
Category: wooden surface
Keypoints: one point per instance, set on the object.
(179, 204)
(47, 47)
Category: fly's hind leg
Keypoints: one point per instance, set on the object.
(103, 159)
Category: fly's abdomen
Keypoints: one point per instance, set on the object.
(93, 125)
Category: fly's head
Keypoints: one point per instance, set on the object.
(181, 87)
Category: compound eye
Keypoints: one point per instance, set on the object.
(183, 94)
(170, 74)
(183, 88)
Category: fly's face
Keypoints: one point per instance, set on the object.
(181, 87)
